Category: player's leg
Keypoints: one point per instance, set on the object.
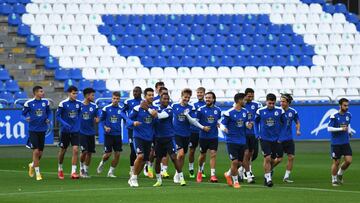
(347, 153)
(170, 149)
(90, 151)
(117, 146)
(107, 153)
(159, 152)
(213, 146)
(164, 167)
(277, 153)
(132, 151)
(233, 171)
(182, 148)
(149, 163)
(75, 141)
(143, 151)
(336, 153)
(289, 149)
(266, 148)
(194, 141)
(64, 143)
(83, 147)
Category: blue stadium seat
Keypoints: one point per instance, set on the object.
(161, 19)
(282, 50)
(151, 51)
(230, 50)
(306, 60)
(261, 29)
(154, 40)
(292, 60)
(137, 51)
(187, 19)
(263, 19)
(170, 29)
(191, 50)
(174, 19)
(104, 29)
(99, 85)
(7, 96)
(240, 61)
(6, 8)
(124, 50)
(157, 29)
(164, 51)
(127, 40)
(329, 8)
(209, 29)
(352, 18)
(197, 29)
(267, 60)
(108, 19)
(174, 61)
(68, 83)
(160, 61)
(140, 40)
(243, 50)
(220, 39)
(177, 50)
(107, 93)
(201, 61)
(297, 39)
(259, 39)
(4, 74)
(274, 29)
(285, 39)
(41, 51)
(20, 95)
(181, 39)
(204, 50)
(135, 19)
(14, 19)
(51, 62)
(23, 30)
(213, 19)
(250, 19)
(287, 29)
(232, 39)
(269, 49)
(118, 29)
(19, 8)
(237, 19)
(84, 84)
(122, 19)
(187, 61)
(308, 50)
(222, 29)
(80, 95)
(207, 39)
(295, 50)
(254, 60)
(226, 61)
(144, 29)
(32, 40)
(183, 29)
(131, 29)
(245, 39)
(256, 50)
(98, 95)
(235, 29)
(76, 74)
(194, 39)
(147, 61)
(216, 50)
(2, 86)
(271, 39)
(148, 19)
(114, 40)
(280, 60)
(340, 8)
(214, 61)
(12, 86)
(200, 19)
(62, 74)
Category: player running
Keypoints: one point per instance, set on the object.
(194, 137)
(89, 118)
(165, 139)
(129, 105)
(143, 133)
(208, 116)
(37, 113)
(234, 124)
(68, 114)
(111, 117)
(269, 120)
(251, 140)
(339, 127)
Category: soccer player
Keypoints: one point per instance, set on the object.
(162, 90)
(129, 105)
(234, 123)
(208, 116)
(37, 113)
(158, 85)
(165, 139)
(194, 137)
(286, 138)
(339, 127)
(68, 114)
(182, 127)
(89, 117)
(111, 117)
(251, 140)
(143, 133)
(270, 120)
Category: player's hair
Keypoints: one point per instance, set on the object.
(116, 94)
(164, 94)
(149, 89)
(162, 89)
(270, 97)
(186, 91)
(288, 97)
(137, 88)
(88, 90)
(213, 95)
(249, 90)
(36, 88)
(160, 83)
(342, 100)
(239, 96)
(200, 89)
(72, 89)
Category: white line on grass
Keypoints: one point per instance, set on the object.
(150, 187)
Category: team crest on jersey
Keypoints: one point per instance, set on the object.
(244, 115)
(86, 116)
(252, 107)
(43, 104)
(77, 106)
(215, 112)
(72, 114)
(148, 119)
(181, 117)
(290, 115)
(270, 122)
(240, 123)
(91, 109)
(276, 113)
(119, 111)
(39, 112)
(347, 118)
(113, 119)
(210, 119)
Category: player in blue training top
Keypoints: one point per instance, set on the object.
(252, 141)
(158, 86)
(143, 133)
(208, 116)
(234, 124)
(194, 138)
(88, 119)
(339, 127)
(286, 137)
(165, 139)
(129, 105)
(269, 123)
(111, 117)
(38, 114)
(68, 114)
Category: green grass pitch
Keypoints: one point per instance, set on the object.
(311, 175)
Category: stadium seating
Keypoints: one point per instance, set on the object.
(308, 48)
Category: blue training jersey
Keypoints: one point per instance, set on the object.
(235, 121)
(252, 107)
(338, 120)
(129, 105)
(164, 127)
(209, 116)
(270, 123)
(180, 122)
(39, 111)
(146, 130)
(68, 115)
(111, 117)
(291, 115)
(197, 105)
(87, 123)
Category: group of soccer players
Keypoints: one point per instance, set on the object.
(159, 130)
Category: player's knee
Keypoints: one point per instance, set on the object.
(291, 157)
(140, 157)
(235, 162)
(75, 150)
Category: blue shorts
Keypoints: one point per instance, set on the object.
(236, 151)
(337, 151)
(142, 147)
